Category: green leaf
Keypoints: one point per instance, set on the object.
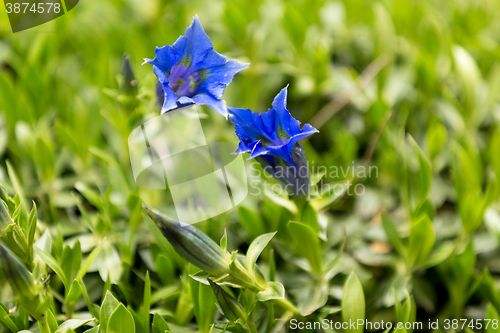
(331, 192)
(309, 244)
(353, 302)
(93, 329)
(331, 265)
(121, 321)
(274, 290)
(5, 319)
(53, 264)
(204, 302)
(17, 185)
(420, 184)
(255, 250)
(491, 313)
(439, 255)
(312, 296)
(436, 138)
(421, 241)
(282, 201)
(44, 159)
(146, 304)
(223, 241)
(32, 222)
(88, 261)
(393, 235)
(73, 294)
(109, 305)
(316, 177)
(90, 194)
(251, 222)
(309, 216)
(164, 269)
(71, 261)
(92, 307)
(469, 75)
(72, 324)
(160, 325)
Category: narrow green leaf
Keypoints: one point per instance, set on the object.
(223, 241)
(255, 249)
(72, 324)
(32, 222)
(88, 261)
(17, 185)
(71, 260)
(5, 319)
(53, 264)
(353, 303)
(310, 217)
(393, 235)
(146, 304)
(421, 240)
(308, 244)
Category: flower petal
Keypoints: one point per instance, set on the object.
(218, 105)
(167, 56)
(249, 123)
(257, 150)
(242, 148)
(219, 77)
(199, 44)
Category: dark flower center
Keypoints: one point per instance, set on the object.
(184, 81)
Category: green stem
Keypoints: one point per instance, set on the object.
(251, 327)
(286, 304)
(43, 324)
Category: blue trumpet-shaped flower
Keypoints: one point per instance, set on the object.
(273, 139)
(191, 71)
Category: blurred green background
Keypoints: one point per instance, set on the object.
(423, 74)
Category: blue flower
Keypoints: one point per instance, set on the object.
(273, 139)
(191, 71)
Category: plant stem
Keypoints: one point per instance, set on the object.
(251, 327)
(286, 304)
(43, 324)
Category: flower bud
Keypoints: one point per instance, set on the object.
(192, 244)
(230, 306)
(3, 194)
(19, 278)
(129, 82)
(5, 218)
(160, 94)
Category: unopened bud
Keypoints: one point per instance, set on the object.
(160, 94)
(5, 218)
(230, 306)
(129, 81)
(19, 278)
(192, 244)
